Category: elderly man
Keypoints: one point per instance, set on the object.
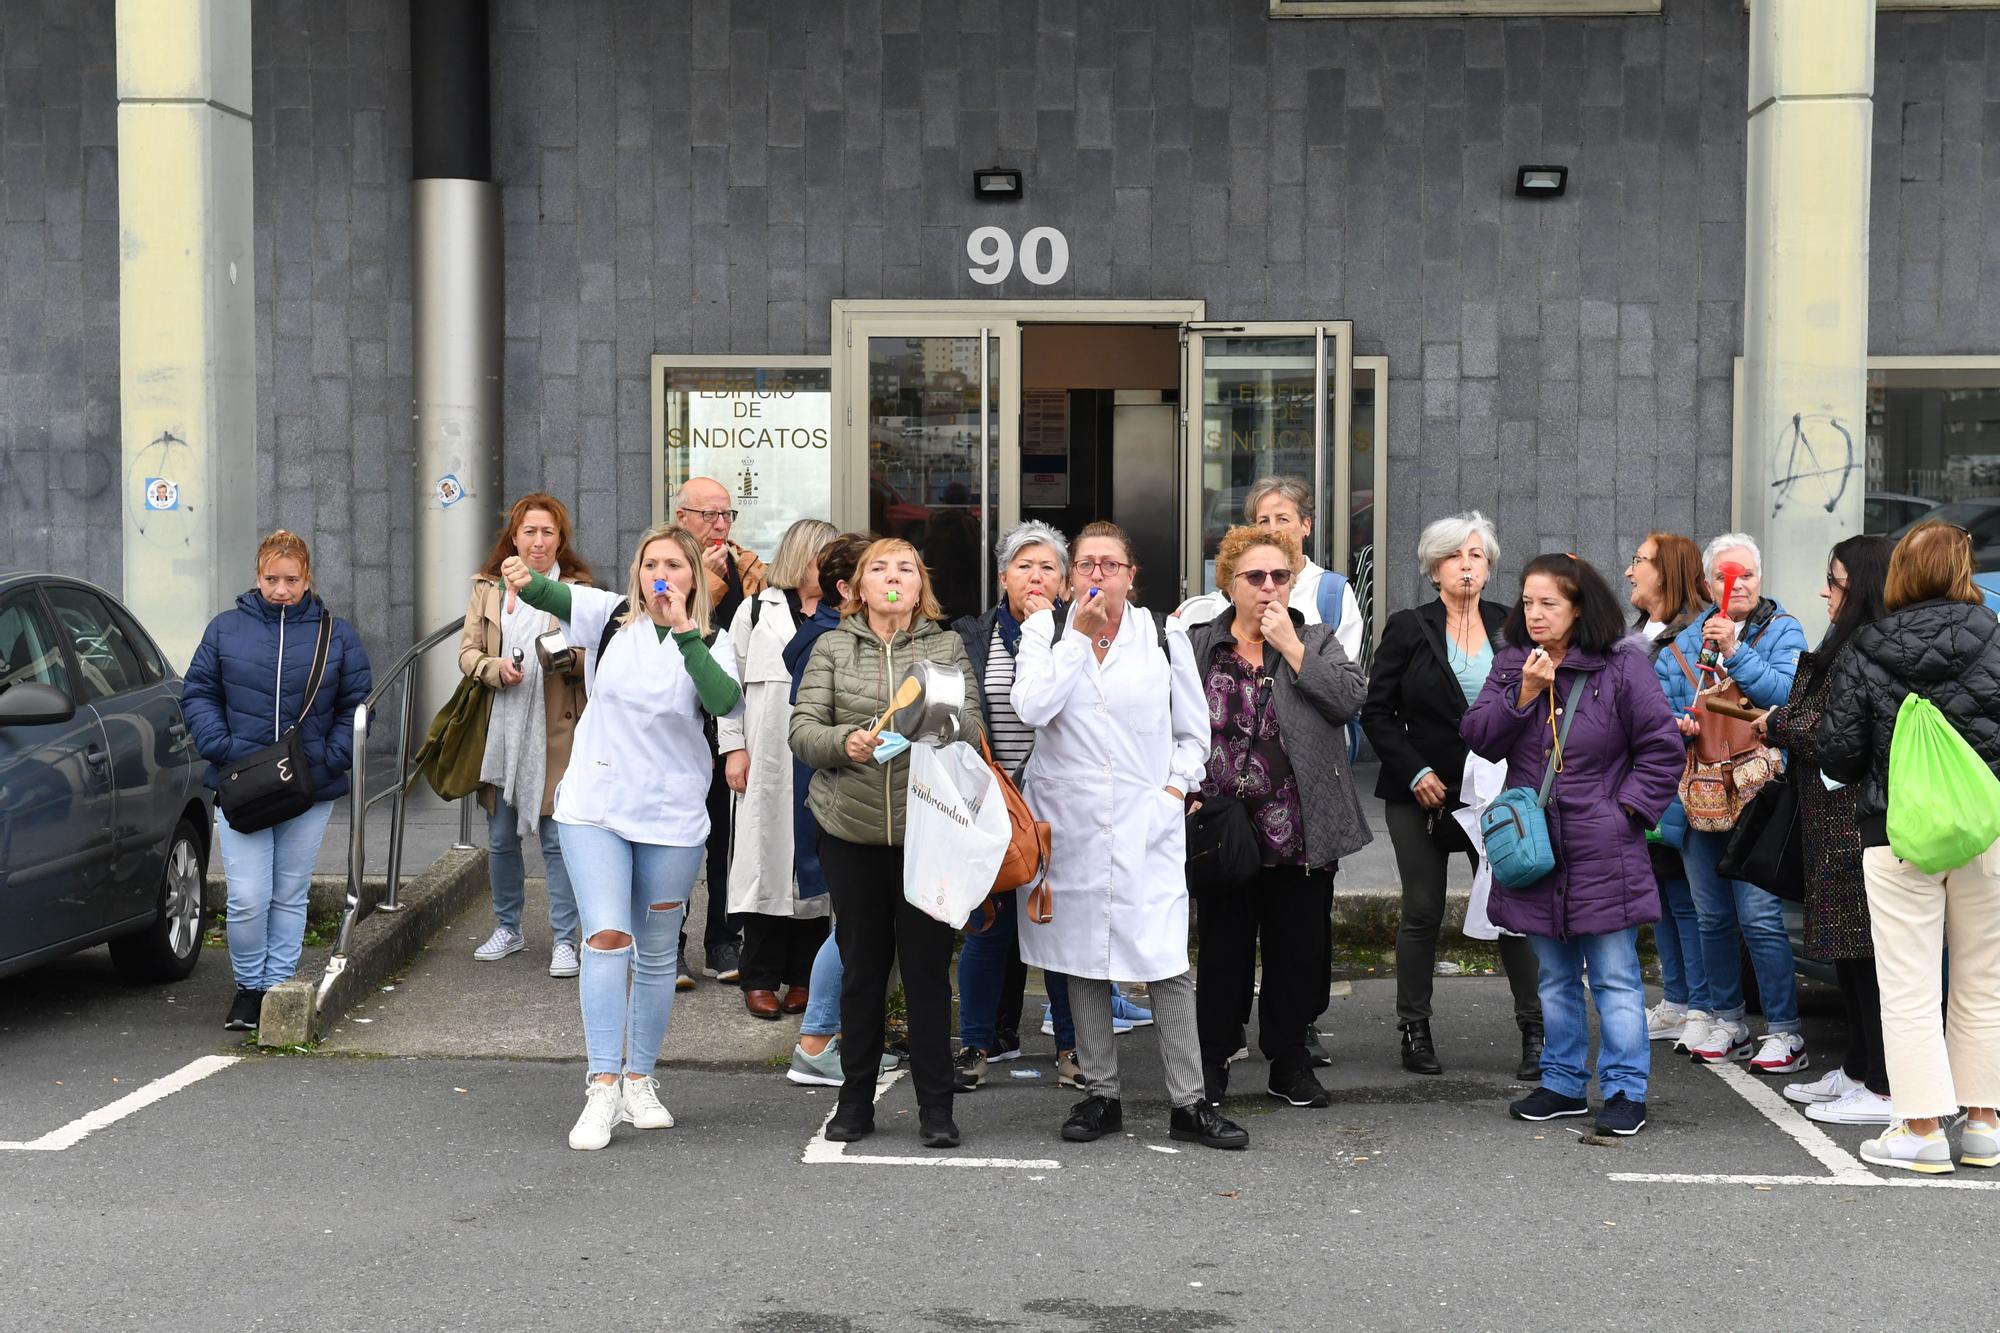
(702, 507)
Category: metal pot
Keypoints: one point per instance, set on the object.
(938, 715)
(557, 654)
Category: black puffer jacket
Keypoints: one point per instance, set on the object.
(1948, 652)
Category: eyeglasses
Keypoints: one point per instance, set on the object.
(1642, 559)
(1257, 578)
(711, 515)
(1111, 569)
(1836, 583)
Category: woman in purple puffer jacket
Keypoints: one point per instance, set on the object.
(1616, 772)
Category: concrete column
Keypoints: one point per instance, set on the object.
(187, 333)
(1802, 471)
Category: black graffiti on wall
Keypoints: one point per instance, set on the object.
(1815, 459)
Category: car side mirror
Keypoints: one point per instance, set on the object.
(33, 704)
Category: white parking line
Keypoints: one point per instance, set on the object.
(75, 1131)
(1848, 1170)
(822, 1151)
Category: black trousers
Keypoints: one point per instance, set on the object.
(719, 928)
(1861, 995)
(876, 926)
(1425, 841)
(1287, 909)
(779, 950)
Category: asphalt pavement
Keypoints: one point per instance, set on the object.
(314, 1191)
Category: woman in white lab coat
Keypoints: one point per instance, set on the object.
(630, 810)
(1121, 735)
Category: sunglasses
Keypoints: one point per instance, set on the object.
(1257, 578)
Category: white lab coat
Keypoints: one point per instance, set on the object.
(761, 877)
(1110, 738)
(1304, 600)
(640, 765)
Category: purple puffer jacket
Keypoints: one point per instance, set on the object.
(1624, 754)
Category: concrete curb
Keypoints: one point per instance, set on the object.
(380, 946)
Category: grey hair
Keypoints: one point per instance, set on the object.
(1034, 532)
(1295, 489)
(1442, 538)
(1730, 541)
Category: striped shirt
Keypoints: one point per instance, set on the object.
(1011, 738)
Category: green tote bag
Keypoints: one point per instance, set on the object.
(1944, 802)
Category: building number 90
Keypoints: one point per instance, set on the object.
(1044, 256)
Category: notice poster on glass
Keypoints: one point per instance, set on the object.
(1044, 448)
(765, 433)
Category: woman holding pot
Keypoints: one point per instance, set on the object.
(529, 727)
(1121, 735)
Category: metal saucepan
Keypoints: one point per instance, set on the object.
(556, 654)
(937, 716)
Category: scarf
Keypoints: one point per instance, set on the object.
(517, 729)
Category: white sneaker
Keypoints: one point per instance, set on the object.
(1781, 1053)
(1929, 1154)
(499, 944)
(641, 1107)
(1859, 1107)
(1694, 1031)
(1723, 1041)
(601, 1107)
(562, 961)
(1666, 1022)
(1830, 1087)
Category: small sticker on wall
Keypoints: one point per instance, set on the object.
(449, 491)
(162, 494)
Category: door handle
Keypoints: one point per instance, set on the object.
(97, 757)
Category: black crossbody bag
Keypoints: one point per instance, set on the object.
(273, 785)
(1222, 848)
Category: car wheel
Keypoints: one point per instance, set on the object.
(168, 949)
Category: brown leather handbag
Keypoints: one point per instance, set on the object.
(1026, 861)
(1728, 762)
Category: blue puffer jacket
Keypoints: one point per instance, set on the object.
(233, 688)
(1765, 660)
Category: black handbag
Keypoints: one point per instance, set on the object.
(1765, 848)
(1222, 848)
(273, 785)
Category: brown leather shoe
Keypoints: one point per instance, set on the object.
(795, 999)
(761, 1003)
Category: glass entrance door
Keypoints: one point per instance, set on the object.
(1267, 399)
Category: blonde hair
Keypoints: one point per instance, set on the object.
(798, 549)
(636, 593)
(1240, 541)
(283, 545)
(879, 549)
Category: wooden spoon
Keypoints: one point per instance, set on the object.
(906, 694)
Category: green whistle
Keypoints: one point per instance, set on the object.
(893, 596)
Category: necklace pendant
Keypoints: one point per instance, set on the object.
(1103, 641)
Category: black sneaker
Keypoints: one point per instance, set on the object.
(1093, 1118)
(1203, 1124)
(1006, 1046)
(1621, 1116)
(850, 1122)
(1543, 1104)
(968, 1069)
(245, 1011)
(684, 979)
(1299, 1088)
(1214, 1083)
(936, 1128)
(1320, 1059)
(724, 962)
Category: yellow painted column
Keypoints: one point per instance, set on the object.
(187, 335)
(1802, 470)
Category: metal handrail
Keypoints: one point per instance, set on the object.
(358, 909)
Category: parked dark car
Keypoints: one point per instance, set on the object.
(104, 822)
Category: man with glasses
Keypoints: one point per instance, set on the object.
(702, 507)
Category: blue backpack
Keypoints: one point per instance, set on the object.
(1515, 828)
(1331, 586)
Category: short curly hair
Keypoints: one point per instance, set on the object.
(1239, 541)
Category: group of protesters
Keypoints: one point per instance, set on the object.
(715, 714)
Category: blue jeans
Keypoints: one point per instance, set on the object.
(1677, 935)
(1624, 1058)
(508, 873)
(822, 1016)
(983, 964)
(628, 992)
(1730, 909)
(269, 874)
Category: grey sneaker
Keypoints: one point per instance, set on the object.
(817, 1071)
(725, 963)
(1928, 1154)
(1979, 1144)
(563, 960)
(499, 944)
(1069, 1074)
(969, 1068)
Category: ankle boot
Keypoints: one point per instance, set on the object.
(1530, 1070)
(1419, 1054)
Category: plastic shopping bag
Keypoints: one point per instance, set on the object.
(955, 831)
(1944, 802)
(1482, 782)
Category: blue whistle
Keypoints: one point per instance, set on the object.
(659, 585)
(1095, 591)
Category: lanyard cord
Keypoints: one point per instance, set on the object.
(1555, 737)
